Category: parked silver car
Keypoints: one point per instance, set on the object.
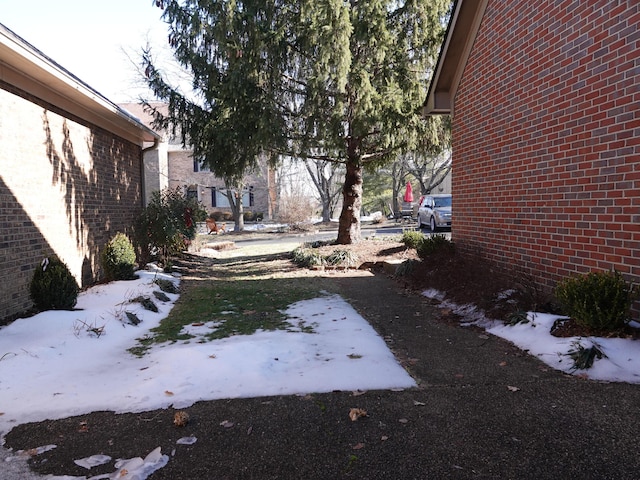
(435, 211)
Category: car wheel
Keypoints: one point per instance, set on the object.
(432, 224)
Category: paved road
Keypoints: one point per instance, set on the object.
(367, 231)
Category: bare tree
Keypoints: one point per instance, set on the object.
(234, 196)
(429, 170)
(398, 174)
(325, 177)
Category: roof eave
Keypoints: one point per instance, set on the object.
(28, 69)
(464, 24)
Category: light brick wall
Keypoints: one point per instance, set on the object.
(66, 187)
(181, 174)
(546, 169)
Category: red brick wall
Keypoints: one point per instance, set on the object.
(66, 187)
(546, 169)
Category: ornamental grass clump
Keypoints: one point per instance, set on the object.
(53, 287)
(119, 258)
(306, 257)
(598, 300)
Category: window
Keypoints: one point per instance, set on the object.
(192, 192)
(199, 166)
(219, 197)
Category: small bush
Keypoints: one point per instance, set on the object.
(599, 300)
(53, 287)
(434, 244)
(412, 238)
(406, 268)
(294, 209)
(306, 257)
(343, 258)
(119, 258)
(251, 216)
(168, 223)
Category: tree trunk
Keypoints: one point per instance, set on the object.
(349, 224)
(326, 210)
(235, 202)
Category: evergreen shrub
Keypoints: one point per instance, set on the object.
(598, 300)
(168, 223)
(53, 287)
(119, 258)
(412, 238)
(434, 244)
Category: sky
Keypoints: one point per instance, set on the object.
(90, 37)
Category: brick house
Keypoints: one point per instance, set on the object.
(545, 102)
(70, 170)
(182, 170)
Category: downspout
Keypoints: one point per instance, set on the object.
(143, 182)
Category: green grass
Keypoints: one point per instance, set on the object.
(236, 307)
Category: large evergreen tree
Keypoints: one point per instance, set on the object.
(335, 80)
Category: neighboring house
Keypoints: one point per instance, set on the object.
(70, 170)
(183, 170)
(545, 101)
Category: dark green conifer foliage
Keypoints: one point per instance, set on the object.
(335, 80)
(53, 287)
(119, 258)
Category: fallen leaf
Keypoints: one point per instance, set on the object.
(416, 403)
(459, 375)
(512, 389)
(502, 364)
(357, 393)
(181, 418)
(213, 355)
(226, 424)
(384, 437)
(168, 393)
(358, 446)
(403, 420)
(356, 413)
(354, 356)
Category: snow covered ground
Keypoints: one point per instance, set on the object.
(63, 363)
(620, 361)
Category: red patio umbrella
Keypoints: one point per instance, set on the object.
(408, 194)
